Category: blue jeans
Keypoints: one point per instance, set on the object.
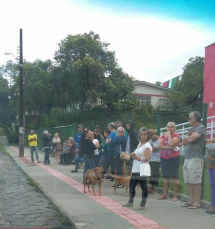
(96, 160)
(211, 173)
(46, 158)
(89, 163)
(32, 150)
(78, 160)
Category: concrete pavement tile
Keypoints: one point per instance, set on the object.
(38, 223)
(3, 222)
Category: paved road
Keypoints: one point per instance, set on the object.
(20, 203)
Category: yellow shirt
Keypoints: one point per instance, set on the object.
(34, 142)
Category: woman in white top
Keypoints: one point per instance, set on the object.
(56, 140)
(142, 153)
(96, 152)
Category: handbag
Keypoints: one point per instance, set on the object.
(59, 147)
(145, 169)
(124, 156)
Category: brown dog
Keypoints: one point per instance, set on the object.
(124, 180)
(93, 176)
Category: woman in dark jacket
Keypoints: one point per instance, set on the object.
(119, 144)
(88, 148)
(132, 143)
(47, 141)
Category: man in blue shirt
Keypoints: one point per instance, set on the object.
(78, 159)
(110, 156)
(78, 136)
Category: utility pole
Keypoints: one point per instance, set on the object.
(21, 107)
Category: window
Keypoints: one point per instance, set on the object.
(144, 99)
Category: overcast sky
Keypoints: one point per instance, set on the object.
(153, 39)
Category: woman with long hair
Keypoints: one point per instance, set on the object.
(88, 148)
(56, 141)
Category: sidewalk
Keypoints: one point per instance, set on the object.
(86, 211)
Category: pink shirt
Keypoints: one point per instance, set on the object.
(169, 153)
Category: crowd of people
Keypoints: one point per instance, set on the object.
(96, 148)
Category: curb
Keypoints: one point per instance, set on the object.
(184, 198)
(54, 203)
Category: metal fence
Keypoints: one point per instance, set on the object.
(183, 128)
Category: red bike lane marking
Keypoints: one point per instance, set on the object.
(134, 218)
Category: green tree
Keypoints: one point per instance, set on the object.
(188, 90)
(117, 91)
(82, 62)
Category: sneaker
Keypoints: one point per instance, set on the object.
(139, 208)
(38, 161)
(60, 163)
(109, 177)
(74, 171)
(128, 205)
(207, 212)
(120, 186)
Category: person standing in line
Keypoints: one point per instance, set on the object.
(210, 160)
(119, 124)
(194, 143)
(119, 144)
(97, 133)
(170, 159)
(78, 136)
(132, 143)
(47, 141)
(154, 160)
(103, 148)
(79, 156)
(96, 152)
(110, 156)
(88, 148)
(56, 141)
(141, 154)
(32, 139)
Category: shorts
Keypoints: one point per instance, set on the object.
(192, 170)
(169, 167)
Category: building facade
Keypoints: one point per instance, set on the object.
(149, 93)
